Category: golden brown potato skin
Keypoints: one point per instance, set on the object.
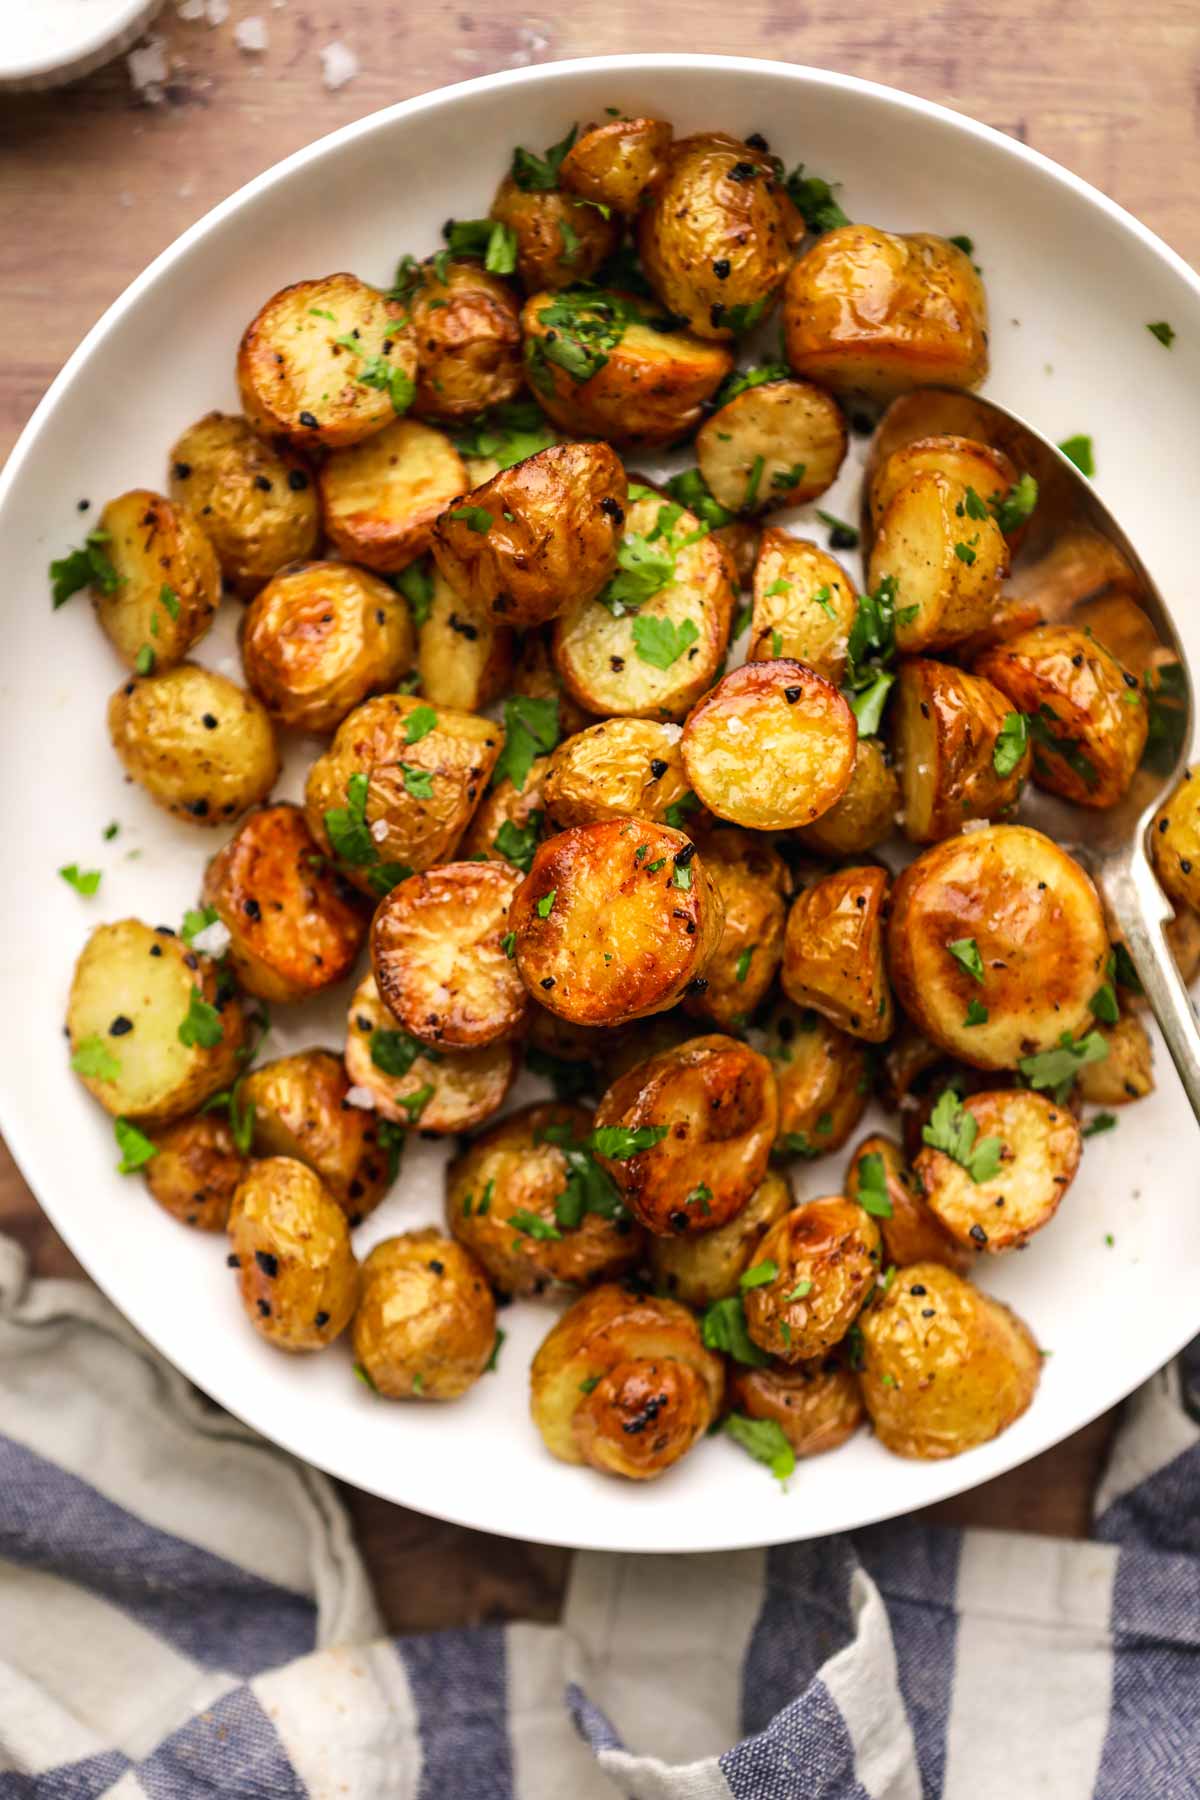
(945, 724)
(1040, 1151)
(823, 1077)
(613, 164)
(833, 1245)
(552, 541)
(754, 884)
(452, 1092)
(1039, 929)
(867, 311)
(947, 1367)
(833, 952)
(817, 1404)
(788, 620)
(623, 1383)
(624, 936)
(866, 812)
(715, 1097)
(380, 498)
(294, 928)
(425, 1327)
(300, 1111)
(989, 471)
(546, 256)
(1126, 1073)
(468, 334)
(947, 567)
(196, 1170)
(464, 655)
(155, 545)
(204, 772)
(256, 503)
(1175, 842)
(913, 1233)
(511, 1169)
(298, 1276)
(777, 444)
(505, 804)
(719, 203)
(319, 638)
(618, 769)
(701, 1268)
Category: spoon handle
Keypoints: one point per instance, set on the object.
(1141, 909)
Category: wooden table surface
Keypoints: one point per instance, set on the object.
(94, 181)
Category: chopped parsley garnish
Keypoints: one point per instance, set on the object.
(201, 1025)
(620, 1142)
(530, 731)
(517, 843)
(545, 905)
(475, 518)
(753, 481)
(659, 642)
(145, 660)
(493, 1361)
(1166, 697)
(88, 567)
(1011, 740)
(977, 1013)
(417, 782)
(380, 373)
(645, 564)
(195, 920)
(766, 1442)
(870, 649)
(965, 952)
(136, 1149)
(759, 1275)
(508, 943)
(1056, 1069)
(743, 379)
(953, 1130)
(1123, 968)
(531, 1225)
(347, 829)
(168, 599)
(841, 535)
(589, 1187)
(1103, 1121)
(95, 1060)
(963, 243)
(395, 1052)
(801, 1291)
(676, 814)
(491, 239)
(84, 881)
(1041, 726)
(1104, 1000)
(110, 831)
(681, 875)
(783, 479)
(966, 552)
(1079, 451)
(570, 1080)
(812, 196)
(1017, 504)
(415, 1104)
(741, 318)
(690, 489)
(701, 1196)
(419, 723)
(507, 434)
(583, 325)
(416, 584)
(743, 962)
(539, 174)
(871, 1186)
(723, 1327)
(1163, 332)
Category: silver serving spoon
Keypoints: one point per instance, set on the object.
(1074, 551)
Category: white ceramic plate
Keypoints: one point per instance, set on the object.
(1072, 282)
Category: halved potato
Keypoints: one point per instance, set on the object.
(965, 460)
(1126, 1073)
(381, 497)
(1040, 1147)
(560, 239)
(820, 1262)
(773, 445)
(195, 1170)
(824, 1081)
(866, 812)
(298, 1108)
(199, 744)
(699, 1269)
(911, 1232)
(754, 883)
(613, 164)
(321, 637)
(166, 583)
(1175, 842)
(425, 1327)
(950, 731)
(509, 821)
(945, 564)
(467, 325)
(256, 502)
(464, 655)
(833, 952)
(443, 1092)
(298, 1276)
(816, 1404)
(771, 746)
(804, 605)
(622, 768)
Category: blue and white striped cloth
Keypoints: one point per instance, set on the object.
(183, 1614)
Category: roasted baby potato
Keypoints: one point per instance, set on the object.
(440, 1091)
(867, 311)
(823, 1078)
(298, 1276)
(302, 375)
(299, 1109)
(701, 1268)
(256, 503)
(321, 637)
(538, 537)
(195, 1170)
(866, 812)
(560, 240)
(464, 655)
(715, 235)
(1124, 630)
(911, 1231)
(947, 1367)
(623, 1383)
(467, 325)
(508, 822)
(425, 1328)
(771, 746)
(1175, 842)
(199, 744)
(1126, 1073)
(962, 749)
(502, 1198)
(622, 768)
(945, 563)
(1014, 899)
(439, 951)
(753, 882)
(988, 471)
(165, 583)
(825, 1257)
(1039, 1151)
(773, 445)
(614, 164)
(637, 887)
(833, 951)
(804, 605)
(816, 1404)
(394, 793)
(380, 498)
(1087, 715)
(293, 925)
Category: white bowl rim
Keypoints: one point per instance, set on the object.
(75, 57)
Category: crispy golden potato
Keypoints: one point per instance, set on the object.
(390, 796)
(256, 502)
(1119, 624)
(650, 387)
(1126, 1073)
(195, 1170)
(833, 951)
(773, 445)
(467, 325)
(945, 564)
(501, 1196)
(825, 1255)
(715, 235)
(870, 312)
(965, 460)
(1087, 715)
(425, 1328)
(382, 497)
(711, 1109)
(1175, 842)
(560, 240)
(439, 951)
(866, 812)
(622, 768)
(816, 1404)
(538, 537)
(754, 884)
(321, 637)
(1036, 923)
(949, 730)
(771, 746)
(293, 925)
(804, 605)
(166, 583)
(444, 1092)
(699, 1269)
(508, 823)
(464, 655)
(199, 744)
(298, 1276)
(132, 990)
(535, 675)
(615, 163)
(1039, 1152)
(911, 1232)
(623, 1383)
(947, 1367)
(614, 921)
(299, 1109)
(824, 1081)
(299, 377)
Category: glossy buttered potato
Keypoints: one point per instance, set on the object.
(200, 745)
(381, 498)
(195, 1170)
(467, 325)
(1122, 628)
(950, 729)
(771, 746)
(712, 1108)
(615, 163)
(833, 952)
(500, 1202)
(256, 502)
(297, 1275)
(623, 1383)
(804, 605)
(1036, 922)
(409, 1085)
(1126, 1073)
(866, 812)
(615, 921)
(319, 638)
(912, 1231)
(622, 768)
(167, 581)
(965, 460)
(754, 884)
(294, 926)
(773, 445)
(699, 1268)
(438, 952)
(1040, 1147)
(868, 311)
(1175, 842)
(946, 1366)
(133, 989)
(817, 1404)
(464, 653)
(300, 1110)
(823, 1078)
(560, 239)
(944, 563)
(509, 821)
(825, 1254)
(425, 1328)
(320, 362)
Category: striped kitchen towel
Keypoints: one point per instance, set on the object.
(183, 1614)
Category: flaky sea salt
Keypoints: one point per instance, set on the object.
(216, 11)
(213, 940)
(379, 830)
(147, 66)
(362, 1097)
(339, 64)
(250, 35)
(190, 11)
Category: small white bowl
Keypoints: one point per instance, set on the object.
(45, 43)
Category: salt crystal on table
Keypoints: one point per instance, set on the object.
(147, 65)
(250, 34)
(190, 11)
(216, 11)
(339, 64)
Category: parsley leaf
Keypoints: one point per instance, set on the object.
(491, 239)
(743, 379)
(1079, 451)
(645, 565)
(545, 905)
(867, 705)
(95, 1060)
(766, 1442)
(1010, 743)
(723, 1327)
(539, 174)
(759, 1275)
(517, 843)
(676, 814)
(871, 1189)
(977, 1013)
(1163, 332)
(1058, 1068)
(659, 642)
(953, 1130)
(1166, 697)
(752, 483)
(417, 782)
(395, 1052)
(415, 1104)
(1017, 504)
(88, 567)
(416, 584)
(136, 1149)
(1041, 726)
(841, 535)
(743, 962)
(530, 730)
(620, 1142)
(965, 952)
(507, 434)
(420, 722)
(1104, 1004)
(347, 829)
(84, 881)
(201, 1024)
(475, 518)
(690, 489)
(812, 196)
(1103, 1121)
(531, 1225)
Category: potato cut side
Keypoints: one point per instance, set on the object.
(381, 497)
(988, 471)
(962, 748)
(621, 768)
(1039, 1151)
(440, 1091)
(773, 445)
(833, 953)
(943, 562)
(825, 1257)
(804, 605)
(165, 582)
(464, 656)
